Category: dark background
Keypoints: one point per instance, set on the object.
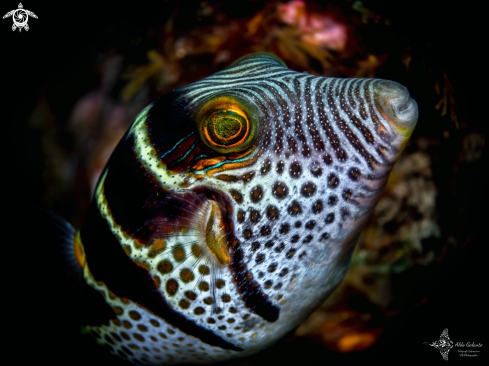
(63, 36)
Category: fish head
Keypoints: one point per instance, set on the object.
(259, 180)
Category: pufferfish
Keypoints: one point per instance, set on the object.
(231, 207)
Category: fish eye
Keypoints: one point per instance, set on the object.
(226, 125)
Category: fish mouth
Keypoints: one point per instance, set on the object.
(215, 224)
(396, 104)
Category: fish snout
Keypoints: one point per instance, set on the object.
(396, 105)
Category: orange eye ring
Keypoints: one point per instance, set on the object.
(225, 125)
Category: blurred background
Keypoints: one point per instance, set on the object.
(78, 78)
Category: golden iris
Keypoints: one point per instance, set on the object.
(225, 125)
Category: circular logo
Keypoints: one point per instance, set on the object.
(20, 17)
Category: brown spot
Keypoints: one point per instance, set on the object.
(290, 253)
(329, 218)
(260, 258)
(328, 160)
(179, 253)
(204, 270)
(280, 190)
(295, 170)
(116, 337)
(226, 298)
(163, 335)
(316, 169)
(196, 250)
(233, 310)
(184, 304)
(139, 337)
(211, 321)
(268, 284)
(324, 237)
(354, 174)
(255, 216)
(144, 265)
(272, 267)
(126, 324)
(134, 315)
(247, 233)
(125, 336)
(280, 167)
(231, 320)
(317, 207)
(186, 275)
(308, 239)
(302, 255)
(255, 245)
(158, 246)
(278, 286)
(220, 283)
(247, 177)
(199, 311)
(283, 272)
(269, 244)
(347, 194)
(228, 178)
(154, 323)
(237, 196)
(295, 208)
(171, 331)
(164, 267)
(333, 180)
(341, 154)
(190, 295)
(171, 287)
(208, 300)
(265, 230)
(118, 310)
(284, 228)
(256, 194)
(241, 216)
(310, 225)
(203, 286)
(332, 200)
(142, 328)
(222, 327)
(267, 165)
(272, 213)
(308, 189)
(116, 322)
(127, 249)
